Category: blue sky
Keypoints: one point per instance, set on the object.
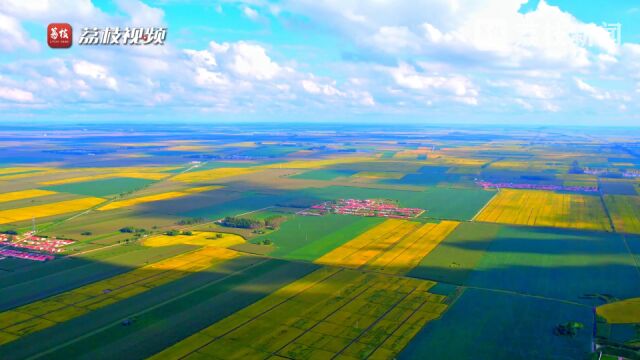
(426, 61)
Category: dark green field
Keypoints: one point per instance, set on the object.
(101, 187)
(493, 325)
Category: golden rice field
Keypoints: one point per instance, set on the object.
(199, 238)
(546, 208)
(395, 246)
(156, 197)
(379, 175)
(48, 312)
(202, 188)
(369, 244)
(51, 209)
(408, 252)
(135, 175)
(625, 212)
(213, 174)
(13, 170)
(330, 313)
(24, 194)
(621, 312)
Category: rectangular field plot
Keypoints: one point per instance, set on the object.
(45, 313)
(309, 237)
(493, 325)
(625, 212)
(101, 187)
(158, 197)
(561, 264)
(545, 208)
(52, 209)
(24, 194)
(123, 174)
(329, 313)
(395, 246)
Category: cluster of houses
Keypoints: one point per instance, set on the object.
(508, 185)
(30, 241)
(5, 252)
(368, 207)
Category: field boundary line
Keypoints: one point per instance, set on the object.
(257, 316)
(93, 297)
(542, 297)
(374, 323)
(606, 211)
(400, 324)
(485, 205)
(40, 355)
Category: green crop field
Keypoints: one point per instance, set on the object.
(492, 325)
(309, 237)
(101, 187)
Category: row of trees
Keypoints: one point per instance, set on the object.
(272, 222)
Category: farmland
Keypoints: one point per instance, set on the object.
(186, 243)
(544, 208)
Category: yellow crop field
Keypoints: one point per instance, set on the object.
(40, 211)
(157, 197)
(546, 208)
(14, 170)
(202, 188)
(136, 175)
(199, 238)
(621, 312)
(625, 212)
(407, 253)
(330, 313)
(379, 175)
(24, 194)
(395, 246)
(143, 199)
(368, 245)
(213, 174)
(48, 312)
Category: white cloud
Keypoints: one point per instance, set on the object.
(593, 92)
(536, 91)
(245, 59)
(250, 13)
(13, 36)
(407, 76)
(96, 72)
(312, 87)
(17, 95)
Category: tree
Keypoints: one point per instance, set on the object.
(172, 232)
(243, 223)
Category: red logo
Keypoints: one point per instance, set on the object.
(59, 35)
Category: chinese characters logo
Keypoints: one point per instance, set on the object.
(126, 36)
(59, 35)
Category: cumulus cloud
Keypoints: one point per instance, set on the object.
(96, 72)
(407, 76)
(17, 95)
(250, 13)
(13, 36)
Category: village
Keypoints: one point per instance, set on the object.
(43, 247)
(368, 207)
